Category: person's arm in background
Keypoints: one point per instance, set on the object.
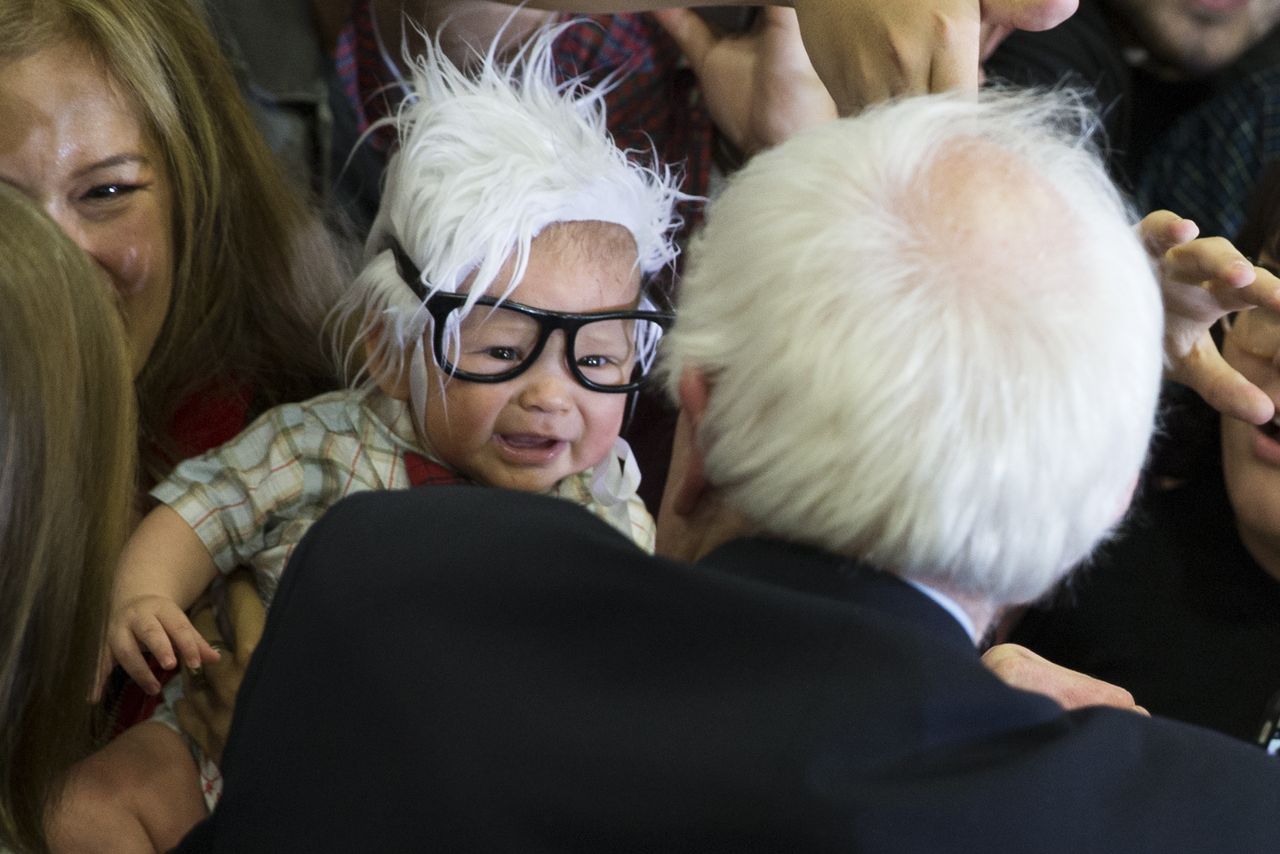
(869, 50)
(759, 85)
(863, 50)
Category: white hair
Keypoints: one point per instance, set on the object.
(933, 341)
(488, 158)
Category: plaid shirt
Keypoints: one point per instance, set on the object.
(251, 500)
(1207, 167)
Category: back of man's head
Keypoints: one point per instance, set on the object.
(932, 340)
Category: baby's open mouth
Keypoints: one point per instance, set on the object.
(1271, 429)
(526, 441)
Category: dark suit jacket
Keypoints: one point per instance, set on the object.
(464, 669)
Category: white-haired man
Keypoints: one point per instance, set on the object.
(918, 358)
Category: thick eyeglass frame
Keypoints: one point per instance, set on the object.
(440, 304)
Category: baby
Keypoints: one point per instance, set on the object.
(503, 326)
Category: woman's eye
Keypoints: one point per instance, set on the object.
(109, 192)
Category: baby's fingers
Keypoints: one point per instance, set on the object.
(206, 626)
(191, 646)
(125, 650)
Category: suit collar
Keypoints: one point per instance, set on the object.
(810, 570)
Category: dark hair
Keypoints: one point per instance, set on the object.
(1260, 233)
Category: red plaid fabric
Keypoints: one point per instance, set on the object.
(425, 472)
(656, 107)
(364, 76)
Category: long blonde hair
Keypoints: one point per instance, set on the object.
(67, 440)
(255, 271)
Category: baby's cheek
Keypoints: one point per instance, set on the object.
(603, 424)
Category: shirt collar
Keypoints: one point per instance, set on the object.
(951, 607)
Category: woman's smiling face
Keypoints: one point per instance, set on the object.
(73, 142)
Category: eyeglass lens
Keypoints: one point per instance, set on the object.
(493, 341)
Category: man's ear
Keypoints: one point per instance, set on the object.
(394, 383)
(690, 482)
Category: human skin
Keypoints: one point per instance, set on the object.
(1251, 453)
(863, 50)
(72, 142)
(527, 433)
(1202, 279)
(1194, 37)
(530, 432)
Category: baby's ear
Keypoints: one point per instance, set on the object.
(393, 379)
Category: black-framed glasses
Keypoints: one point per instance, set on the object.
(496, 341)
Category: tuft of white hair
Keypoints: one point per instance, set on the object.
(489, 157)
(933, 341)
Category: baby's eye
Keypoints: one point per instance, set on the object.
(503, 354)
(596, 361)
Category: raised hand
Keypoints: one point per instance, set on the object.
(870, 50)
(1201, 280)
(760, 86)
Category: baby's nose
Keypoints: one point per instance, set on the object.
(547, 389)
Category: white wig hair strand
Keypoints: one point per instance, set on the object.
(488, 158)
(945, 347)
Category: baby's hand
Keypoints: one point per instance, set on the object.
(157, 625)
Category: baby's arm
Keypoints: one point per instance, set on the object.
(163, 569)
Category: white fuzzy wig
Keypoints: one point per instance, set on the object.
(944, 357)
(488, 158)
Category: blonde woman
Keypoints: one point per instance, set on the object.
(123, 121)
(67, 443)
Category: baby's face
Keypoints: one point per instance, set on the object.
(530, 432)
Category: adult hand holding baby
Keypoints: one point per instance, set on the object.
(205, 709)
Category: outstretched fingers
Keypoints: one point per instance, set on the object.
(1220, 385)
